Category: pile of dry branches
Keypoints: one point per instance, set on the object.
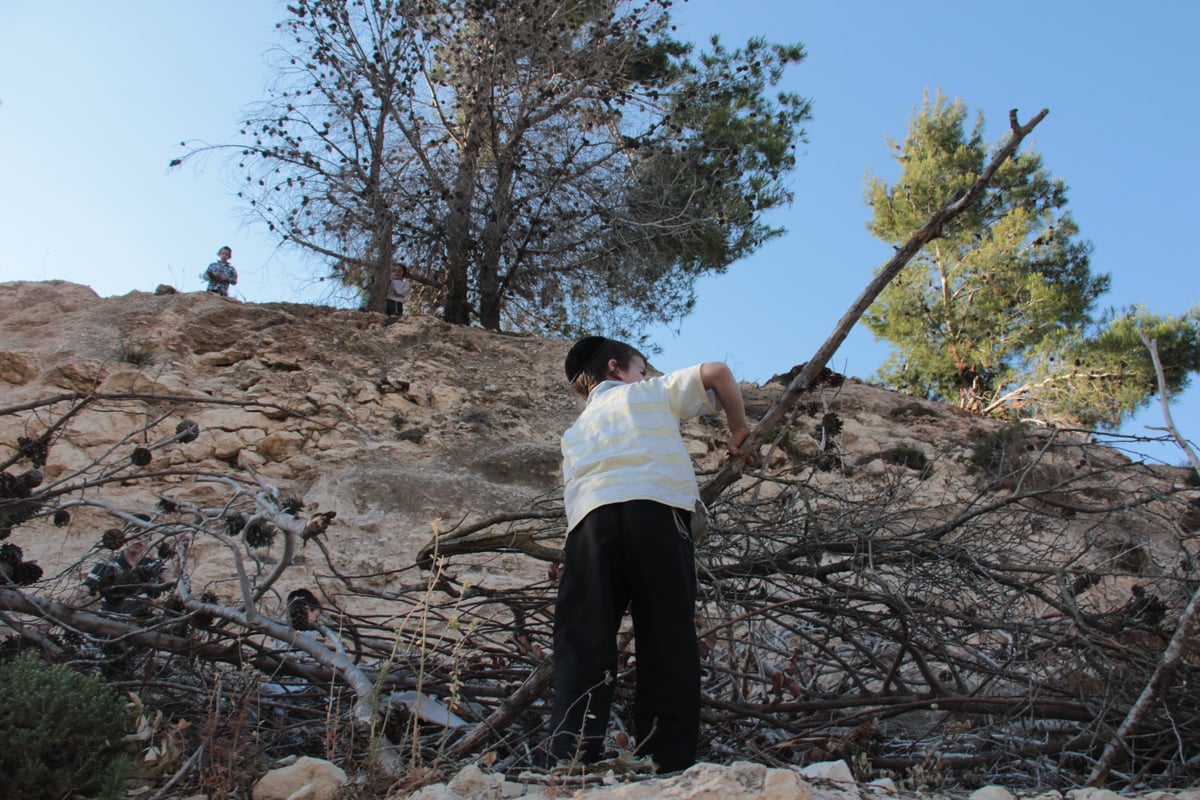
(1001, 635)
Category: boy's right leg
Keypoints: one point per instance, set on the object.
(586, 617)
(662, 571)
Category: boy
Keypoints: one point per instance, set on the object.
(629, 493)
(398, 291)
(220, 273)
(127, 581)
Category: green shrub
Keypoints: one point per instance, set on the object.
(61, 731)
(905, 455)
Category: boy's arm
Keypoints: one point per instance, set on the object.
(717, 376)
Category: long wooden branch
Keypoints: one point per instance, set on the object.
(477, 537)
(1164, 399)
(931, 230)
(199, 399)
(15, 600)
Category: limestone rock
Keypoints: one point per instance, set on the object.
(992, 793)
(742, 780)
(1092, 794)
(16, 368)
(837, 771)
(309, 778)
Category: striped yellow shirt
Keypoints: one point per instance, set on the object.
(626, 444)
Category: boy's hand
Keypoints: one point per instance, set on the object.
(734, 445)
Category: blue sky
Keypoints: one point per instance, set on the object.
(96, 97)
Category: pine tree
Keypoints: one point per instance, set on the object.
(996, 313)
(1007, 273)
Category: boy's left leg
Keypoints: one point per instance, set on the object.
(587, 614)
(662, 573)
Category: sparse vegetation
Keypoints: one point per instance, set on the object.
(140, 354)
(906, 455)
(1000, 453)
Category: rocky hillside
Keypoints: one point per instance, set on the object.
(391, 426)
(395, 425)
(405, 427)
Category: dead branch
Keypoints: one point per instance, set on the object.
(491, 728)
(1175, 651)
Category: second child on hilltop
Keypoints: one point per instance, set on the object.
(220, 273)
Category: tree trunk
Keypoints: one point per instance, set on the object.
(456, 307)
(490, 296)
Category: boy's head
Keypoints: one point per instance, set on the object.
(588, 363)
(135, 549)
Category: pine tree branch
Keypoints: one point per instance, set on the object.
(931, 230)
(1025, 389)
(520, 700)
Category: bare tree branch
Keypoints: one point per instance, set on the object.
(1171, 657)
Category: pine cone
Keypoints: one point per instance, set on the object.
(831, 424)
(27, 573)
(187, 431)
(36, 450)
(234, 523)
(260, 534)
(141, 456)
(10, 554)
(113, 539)
(201, 619)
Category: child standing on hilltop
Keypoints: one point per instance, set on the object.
(630, 492)
(398, 290)
(221, 274)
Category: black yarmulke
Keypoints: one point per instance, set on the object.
(581, 353)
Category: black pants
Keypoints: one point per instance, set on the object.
(395, 308)
(628, 554)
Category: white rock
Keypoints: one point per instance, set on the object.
(316, 778)
(828, 771)
(471, 781)
(1053, 794)
(1093, 794)
(991, 793)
